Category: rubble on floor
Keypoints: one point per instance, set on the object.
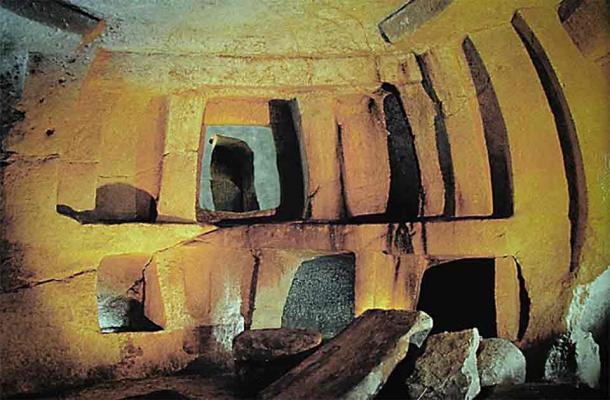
(264, 355)
(500, 362)
(447, 368)
(573, 362)
(357, 362)
(538, 391)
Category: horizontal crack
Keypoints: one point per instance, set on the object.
(50, 280)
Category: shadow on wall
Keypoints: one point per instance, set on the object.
(116, 203)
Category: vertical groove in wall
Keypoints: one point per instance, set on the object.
(256, 256)
(568, 138)
(289, 163)
(298, 127)
(406, 192)
(524, 304)
(496, 137)
(343, 209)
(442, 140)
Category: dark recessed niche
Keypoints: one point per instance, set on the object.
(405, 194)
(251, 172)
(120, 295)
(459, 295)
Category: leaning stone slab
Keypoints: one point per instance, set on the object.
(448, 367)
(500, 362)
(356, 363)
(264, 355)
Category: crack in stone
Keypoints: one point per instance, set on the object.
(46, 281)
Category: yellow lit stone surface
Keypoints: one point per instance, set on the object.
(507, 297)
(237, 112)
(366, 166)
(320, 139)
(449, 73)
(421, 113)
(134, 116)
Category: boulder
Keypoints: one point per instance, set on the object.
(447, 369)
(264, 355)
(357, 362)
(500, 362)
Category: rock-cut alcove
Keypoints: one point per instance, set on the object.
(193, 193)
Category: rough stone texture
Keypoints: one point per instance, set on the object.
(589, 309)
(264, 355)
(280, 299)
(587, 321)
(340, 369)
(447, 368)
(191, 386)
(573, 360)
(537, 391)
(13, 67)
(321, 295)
(500, 362)
(587, 26)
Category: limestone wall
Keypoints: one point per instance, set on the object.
(508, 116)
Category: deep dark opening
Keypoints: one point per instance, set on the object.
(232, 171)
(289, 161)
(496, 137)
(568, 138)
(460, 295)
(321, 296)
(123, 314)
(341, 158)
(405, 183)
(525, 303)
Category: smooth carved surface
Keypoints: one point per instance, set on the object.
(357, 362)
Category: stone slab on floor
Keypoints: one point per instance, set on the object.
(357, 362)
(264, 355)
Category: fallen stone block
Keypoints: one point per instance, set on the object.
(448, 367)
(357, 362)
(500, 362)
(264, 355)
